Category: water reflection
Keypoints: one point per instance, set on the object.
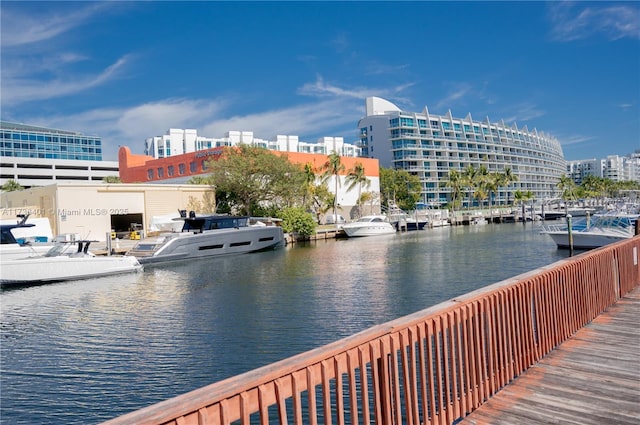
(82, 352)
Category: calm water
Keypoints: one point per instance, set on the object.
(83, 352)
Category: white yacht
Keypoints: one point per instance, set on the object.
(207, 236)
(20, 239)
(369, 225)
(64, 262)
(597, 231)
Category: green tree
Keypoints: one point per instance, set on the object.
(454, 181)
(356, 177)
(567, 188)
(11, 186)
(469, 180)
(249, 178)
(332, 168)
(401, 187)
(296, 219)
(481, 183)
(309, 183)
(506, 179)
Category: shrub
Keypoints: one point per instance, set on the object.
(296, 219)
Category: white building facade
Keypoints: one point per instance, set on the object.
(613, 167)
(29, 172)
(178, 141)
(429, 146)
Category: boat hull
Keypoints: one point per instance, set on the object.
(62, 268)
(585, 240)
(188, 245)
(368, 230)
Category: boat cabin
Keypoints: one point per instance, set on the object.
(213, 222)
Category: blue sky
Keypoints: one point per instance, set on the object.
(126, 71)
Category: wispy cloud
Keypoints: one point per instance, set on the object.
(574, 21)
(376, 68)
(307, 120)
(320, 88)
(454, 94)
(524, 112)
(24, 28)
(34, 67)
(625, 106)
(574, 141)
(28, 88)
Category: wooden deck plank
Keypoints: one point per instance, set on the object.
(592, 378)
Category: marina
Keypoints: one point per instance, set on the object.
(70, 349)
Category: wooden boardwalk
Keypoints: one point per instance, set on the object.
(592, 378)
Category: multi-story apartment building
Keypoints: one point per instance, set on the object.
(429, 146)
(178, 142)
(578, 170)
(613, 167)
(39, 156)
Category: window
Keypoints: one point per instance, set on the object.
(170, 170)
(181, 169)
(160, 172)
(192, 167)
(150, 174)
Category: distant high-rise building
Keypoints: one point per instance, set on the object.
(429, 146)
(613, 167)
(39, 156)
(178, 141)
(28, 141)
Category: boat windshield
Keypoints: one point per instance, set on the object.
(614, 221)
(56, 250)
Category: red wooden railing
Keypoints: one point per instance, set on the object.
(431, 367)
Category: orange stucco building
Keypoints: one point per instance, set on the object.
(179, 168)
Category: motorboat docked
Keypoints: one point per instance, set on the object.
(208, 236)
(593, 232)
(64, 262)
(21, 239)
(369, 225)
(478, 220)
(402, 220)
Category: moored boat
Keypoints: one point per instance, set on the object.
(207, 236)
(21, 239)
(369, 225)
(594, 232)
(64, 262)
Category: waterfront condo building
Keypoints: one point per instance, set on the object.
(429, 146)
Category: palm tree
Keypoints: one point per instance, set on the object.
(506, 178)
(469, 179)
(357, 177)
(494, 180)
(11, 186)
(567, 188)
(481, 184)
(309, 181)
(455, 181)
(333, 167)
